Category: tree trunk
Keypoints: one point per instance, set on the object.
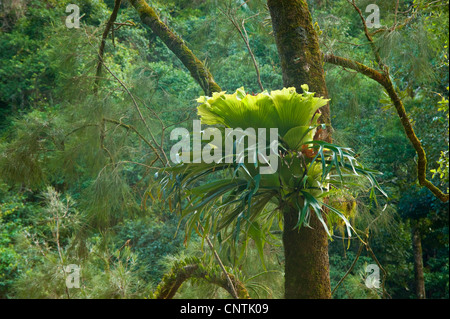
(307, 274)
(418, 264)
(298, 48)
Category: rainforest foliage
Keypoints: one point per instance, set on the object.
(85, 135)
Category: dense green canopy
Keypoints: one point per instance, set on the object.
(84, 127)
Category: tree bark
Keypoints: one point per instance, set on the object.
(196, 67)
(307, 273)
(418, 264)
(298, 49)
(306, 259)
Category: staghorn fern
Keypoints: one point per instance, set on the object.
(242, 199)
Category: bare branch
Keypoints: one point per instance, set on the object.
(166, 160)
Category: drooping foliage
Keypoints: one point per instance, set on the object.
(243, 198)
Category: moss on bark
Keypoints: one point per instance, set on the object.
(196, 67)
(298, 48)
(193, 268)
(306, 250)
(306, 259)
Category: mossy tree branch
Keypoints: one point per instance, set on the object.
(383, 78)
(196, 67)
(194, 269)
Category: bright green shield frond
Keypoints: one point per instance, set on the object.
(234, 197)
(283, 109)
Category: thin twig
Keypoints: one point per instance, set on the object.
(350, 269)
(244, 35)
(219, 261)
(368, 36)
